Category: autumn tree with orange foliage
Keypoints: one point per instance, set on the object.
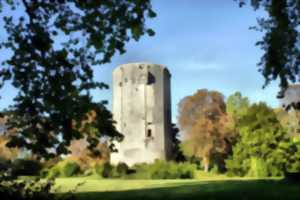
(5, 152)
(80, 150)
(206, 128)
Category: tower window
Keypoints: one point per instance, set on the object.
(149, 133)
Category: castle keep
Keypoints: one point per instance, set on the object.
(142, 111)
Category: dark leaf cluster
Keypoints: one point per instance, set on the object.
(55, 45)
(280, 42)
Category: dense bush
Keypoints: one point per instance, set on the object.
(157, 170)
(99, 169)
(122, 169)
(54, 172)
(70, 169)
(263, 147)
(164, 170)
(106, 170)
(24, 167)
(44, 172)
(64, 168)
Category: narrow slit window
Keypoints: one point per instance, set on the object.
(149, 133)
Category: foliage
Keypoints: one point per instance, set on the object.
(106, 170)
(25, 167)
(293, 150)
(281, 40)
(237, 106)
(122, 169)
(51, 162)
(5, 152)
(65, 168)
(206, 127)
(4, 164)
(29, 190)
(54, 46)
(177, 153)
(157, 170)
(18, 190)
(87, 158)
(71, 169)
(164, 170)
(263, 148)
(259, 168)
(99, 169)
(54, 172)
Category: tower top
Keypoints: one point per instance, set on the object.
(141, 65)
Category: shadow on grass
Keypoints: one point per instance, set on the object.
(233, 189)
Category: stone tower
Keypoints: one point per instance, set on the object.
(142, 111)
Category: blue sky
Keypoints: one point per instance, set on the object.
(204, 44)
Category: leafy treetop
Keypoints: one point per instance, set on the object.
(280, 42)
(54, 46)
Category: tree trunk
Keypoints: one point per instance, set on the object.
(206, 164)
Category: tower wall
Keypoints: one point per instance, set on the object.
(142, 111)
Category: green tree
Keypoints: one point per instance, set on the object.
(280, 42)
(263, 149)
(237, 105)
(54, 46)
(205, 125)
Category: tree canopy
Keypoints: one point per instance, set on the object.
(263, 148)
(54, 45)
(280, 42)
(237, 105)
(205, 125)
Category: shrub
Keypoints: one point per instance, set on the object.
(70, 169)
(106, 170)
(258, 168)
(54, 172)
(23, 167)
(157, 170)
(164, 170)
(44, 173)
(122, 169)
(64, 168)
(99, 169)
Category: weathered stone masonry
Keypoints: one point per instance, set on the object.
(142, 110)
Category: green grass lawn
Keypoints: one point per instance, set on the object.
(215, 188)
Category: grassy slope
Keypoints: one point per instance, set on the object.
(95, 189)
